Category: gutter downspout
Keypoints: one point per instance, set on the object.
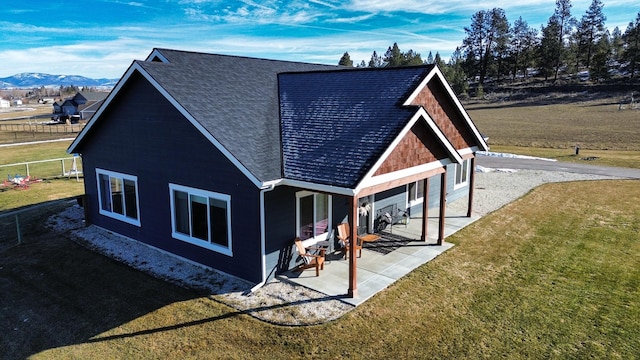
(263, 255)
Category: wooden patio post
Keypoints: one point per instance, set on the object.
(443, 205)
(472, 181)
(353, 238)
(425, 208)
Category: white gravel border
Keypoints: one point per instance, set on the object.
(280, 302)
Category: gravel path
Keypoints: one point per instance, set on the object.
(280, 302)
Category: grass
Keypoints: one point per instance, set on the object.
(553, 130)
(552, 275)
(619, 158)
(38, 192)
(33, 152)
(50, 189)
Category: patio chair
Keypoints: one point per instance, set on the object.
(343, 236)
(310, 259)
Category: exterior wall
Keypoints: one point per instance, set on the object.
(280, 227)
(434, 192)
(142, 134)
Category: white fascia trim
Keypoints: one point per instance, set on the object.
(105, 104)
(158, 54)
(454, 156)
(436, 72)
(136, 67)
(329, 189)
(421, 113)
(391, 147)
(381, 179)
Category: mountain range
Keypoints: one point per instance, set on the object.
(36, 80)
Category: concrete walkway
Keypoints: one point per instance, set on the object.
(376, 271)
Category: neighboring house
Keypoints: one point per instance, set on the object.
(5, 103)
(80, 102)
(87, 110)
(69, 107)
(224, 160)
(57, 107)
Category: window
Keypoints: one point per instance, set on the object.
(313, 214)
(202, 218)
(118, 196)
(415, 192)
(462, 174)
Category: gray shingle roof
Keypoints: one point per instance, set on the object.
(336, 125)
(234, 98)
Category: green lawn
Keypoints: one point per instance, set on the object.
(50, 188)
(552, 275)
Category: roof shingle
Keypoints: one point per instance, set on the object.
(335, 125)
(234, 98)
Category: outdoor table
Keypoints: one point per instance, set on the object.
(369, 237)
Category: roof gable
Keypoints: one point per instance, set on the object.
(419, 146)
(335, 125)
(436, 96)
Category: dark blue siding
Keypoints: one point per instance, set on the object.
(280, 226)
(142, 134)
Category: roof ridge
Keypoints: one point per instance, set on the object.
(242, 57)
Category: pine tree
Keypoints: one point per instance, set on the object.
(394, 57)
(590, 30)
(601, 61)
(549, 47)
(411, 58)
(430, 58)
(523, 43)
(486, 38)
(631, 55)
(376, 61)
(345, 60)
(562, 15)
(617, 45)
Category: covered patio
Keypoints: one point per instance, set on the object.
(377, 270)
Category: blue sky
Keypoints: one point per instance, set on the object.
(100, 38)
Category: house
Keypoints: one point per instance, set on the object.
(82, 103)
(87, 110)
(4, 103)
(275, 150)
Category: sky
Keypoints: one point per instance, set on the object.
(100, 38)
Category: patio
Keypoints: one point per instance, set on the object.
(375, 270)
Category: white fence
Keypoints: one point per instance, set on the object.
(43, 169)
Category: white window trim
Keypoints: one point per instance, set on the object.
(457, 168)
(418, 200)
(228, 250)
(111, 214)
(312, 240)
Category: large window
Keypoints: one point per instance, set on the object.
(201, 218)
(462, 174)
(415, 192)
(313, 214)
(118, 196)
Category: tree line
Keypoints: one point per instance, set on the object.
(495, 50)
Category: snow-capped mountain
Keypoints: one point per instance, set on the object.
(31, 80)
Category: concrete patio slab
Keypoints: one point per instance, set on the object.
(376, 271)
